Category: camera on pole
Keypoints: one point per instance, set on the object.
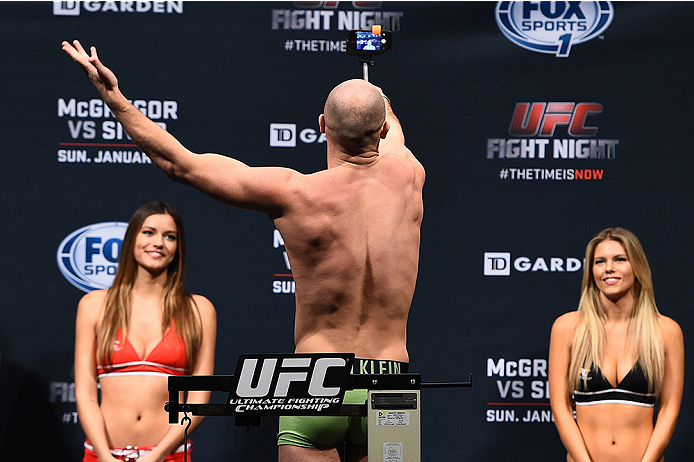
(368, 43)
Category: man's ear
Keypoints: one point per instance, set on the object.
(384, 129)
(321, 123)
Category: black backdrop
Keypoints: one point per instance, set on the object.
(500, 259)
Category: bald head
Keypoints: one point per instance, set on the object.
(354, 113)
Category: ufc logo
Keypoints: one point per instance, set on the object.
(304, 375)
(541, 119)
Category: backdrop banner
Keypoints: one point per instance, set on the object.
(538, 124)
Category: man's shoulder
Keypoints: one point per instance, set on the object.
(404, 166)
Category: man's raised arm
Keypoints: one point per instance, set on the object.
(227, 180)
(394, 142)
(157, 143)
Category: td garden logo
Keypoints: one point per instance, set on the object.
(501, 263)
(72, 8)
(553, 27)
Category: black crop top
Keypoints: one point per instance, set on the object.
(596, 389)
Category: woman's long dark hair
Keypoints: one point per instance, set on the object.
(178, 304)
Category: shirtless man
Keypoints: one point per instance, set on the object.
(351, 231)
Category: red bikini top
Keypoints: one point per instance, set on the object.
(167, 358)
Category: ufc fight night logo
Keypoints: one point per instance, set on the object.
(553, 130)
(293, 384)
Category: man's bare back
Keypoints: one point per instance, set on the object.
(352, 235)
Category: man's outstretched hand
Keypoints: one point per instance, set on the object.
(100, 75)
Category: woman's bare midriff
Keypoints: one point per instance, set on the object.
(133, 409)
(615, 432)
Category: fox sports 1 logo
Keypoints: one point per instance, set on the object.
(88, 257)
(553, 27)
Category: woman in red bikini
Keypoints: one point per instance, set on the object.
(131, 337)
(615, 356)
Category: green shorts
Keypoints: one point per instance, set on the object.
(322, 432)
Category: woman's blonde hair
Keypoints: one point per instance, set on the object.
(179, 306)
(644, 334)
